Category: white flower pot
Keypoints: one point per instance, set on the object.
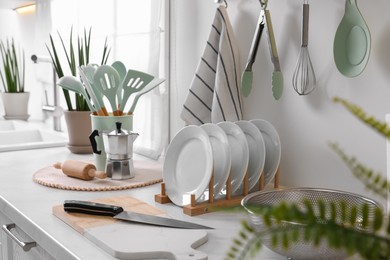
(15, 105)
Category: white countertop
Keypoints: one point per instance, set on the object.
(35, 202)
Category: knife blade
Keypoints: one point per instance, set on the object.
(117, 212)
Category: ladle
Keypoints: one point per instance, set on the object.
(73, 84)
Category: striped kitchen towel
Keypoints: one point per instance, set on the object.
(215, 91)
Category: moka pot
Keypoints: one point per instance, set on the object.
(118, 145)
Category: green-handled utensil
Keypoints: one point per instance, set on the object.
(120, 68)
(106, 80)
(277, 75)
(152, 85)
(91, 92)
(73, 84)
(247, 76)
(89, 72)
(134, 82)
(352, 42)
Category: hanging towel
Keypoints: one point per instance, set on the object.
(215, 91)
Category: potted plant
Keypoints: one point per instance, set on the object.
(15, 99)
(77, 116)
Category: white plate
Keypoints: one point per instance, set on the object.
(221, 154)
(272, 148)
(239, 152)
(188, 165)
(256, 151)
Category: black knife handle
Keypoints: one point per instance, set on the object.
(91, 208)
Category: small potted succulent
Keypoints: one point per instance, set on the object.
(12, 74)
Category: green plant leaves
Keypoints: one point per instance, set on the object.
(379, 126)
(373, 181)
(342, 225)
(12, 75)
(357, 229)
(82, 52)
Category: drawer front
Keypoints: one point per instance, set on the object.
(15, 243)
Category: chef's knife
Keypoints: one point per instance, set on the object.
(117, 212)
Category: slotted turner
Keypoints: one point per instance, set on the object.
(134, 82)
(107, 81)
(152, 85)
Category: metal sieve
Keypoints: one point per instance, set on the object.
(304, 249)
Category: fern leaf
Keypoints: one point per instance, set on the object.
(317, 226)
(373, 181)
(379, 126)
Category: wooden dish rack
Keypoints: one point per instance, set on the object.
(197, 208)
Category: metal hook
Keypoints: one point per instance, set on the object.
(221, 1)
(263, 3)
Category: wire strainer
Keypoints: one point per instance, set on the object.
(303, 249)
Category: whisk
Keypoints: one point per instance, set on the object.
(304, 79)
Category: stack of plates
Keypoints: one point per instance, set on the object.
(225, 148)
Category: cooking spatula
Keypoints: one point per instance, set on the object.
(152, 85)
(89, 72)
(107, 81)
(277, 75)
(133, 82)
(120, 68)
(100, 109)
(247, 76)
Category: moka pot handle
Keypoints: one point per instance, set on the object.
(93, 141)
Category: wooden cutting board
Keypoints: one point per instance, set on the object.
(126, 240)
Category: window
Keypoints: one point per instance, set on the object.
(134, 32)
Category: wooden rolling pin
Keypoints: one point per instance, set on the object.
(80, 170)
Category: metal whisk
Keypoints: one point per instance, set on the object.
(304, 79)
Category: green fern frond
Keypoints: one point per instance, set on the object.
(379, 126)
(357, 229)
(373, 181)
(341, 225)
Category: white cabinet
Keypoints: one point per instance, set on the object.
(16, 244)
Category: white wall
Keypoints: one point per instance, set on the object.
(305, 123)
